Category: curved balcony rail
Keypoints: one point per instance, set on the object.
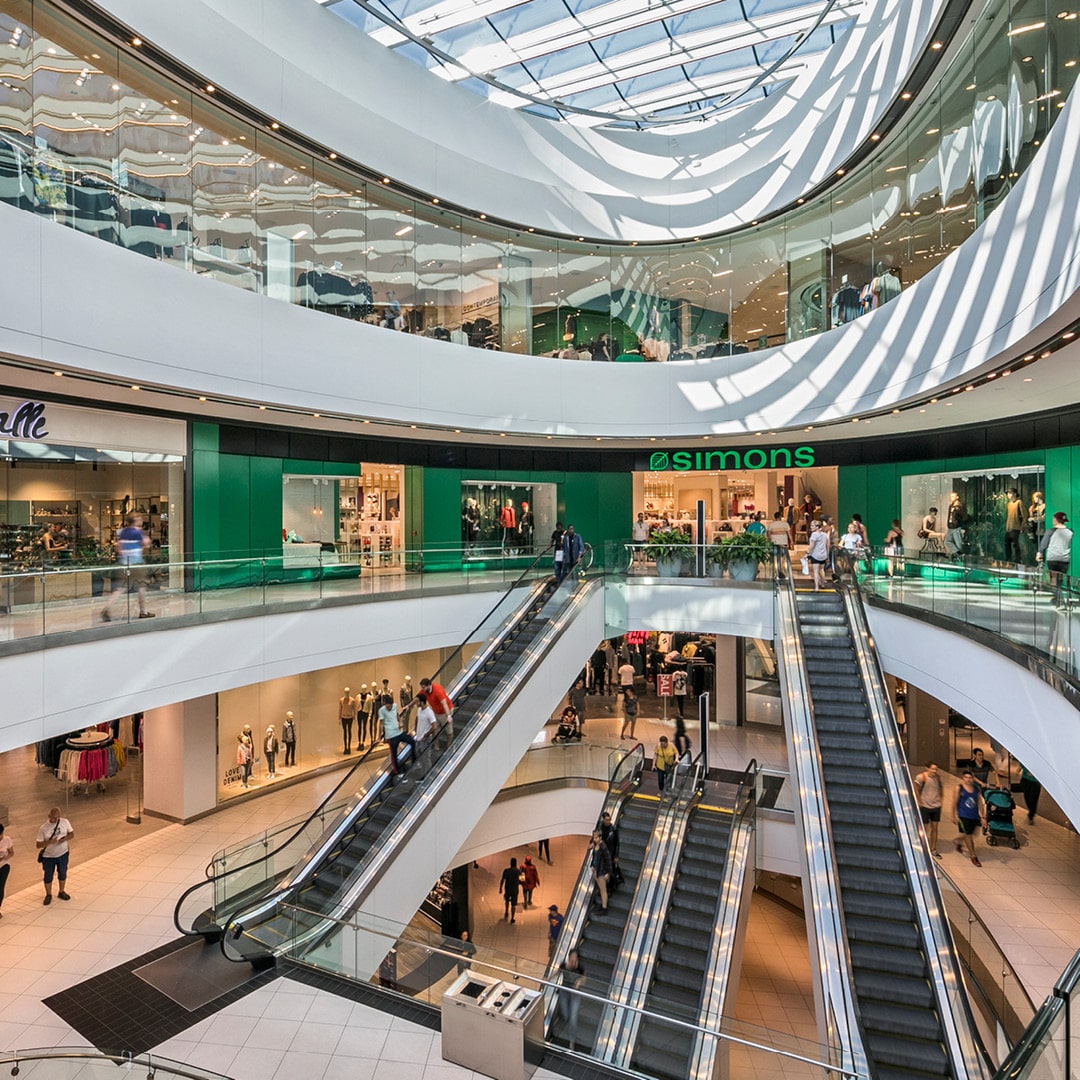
(93, 138)
(67, 596)
(63, 1062)
(1004, 605)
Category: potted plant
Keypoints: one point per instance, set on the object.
(669, 549)
(742, 552)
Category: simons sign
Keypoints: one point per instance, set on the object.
(781, 457)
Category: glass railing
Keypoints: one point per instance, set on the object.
(422, 964)
(1049, 1049)
(994, 988)
(94, 138)
(66, 1062)
(1019, 604)
(63, 598)
(242, 874)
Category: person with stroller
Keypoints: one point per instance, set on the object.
(969, 813)
(570, 727)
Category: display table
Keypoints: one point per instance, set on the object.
(306, 556)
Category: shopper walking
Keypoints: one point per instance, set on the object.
(388, 715)
(573, 978)
(573, 547)
(929, 792)
(1055, 549)
(52, 843)
(969, 812)
(602, 867)
(440, 703)
(663, 762)
(131, 545)
(543, 850)
(817, 552)
(555, 921)
(7, 853)
(779, 532)
(1031, 789)
(509, 886)
(557, 549)
(630, 714)
(530, 880)
(609, 832)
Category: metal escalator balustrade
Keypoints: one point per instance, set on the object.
(240, 876)
(693, 958)
(906, 1010)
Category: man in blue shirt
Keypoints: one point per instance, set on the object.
(573, 547)
(131, 545)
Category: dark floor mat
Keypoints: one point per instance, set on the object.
(195, 975)
(121, 1013)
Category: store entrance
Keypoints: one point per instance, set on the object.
(732, 498)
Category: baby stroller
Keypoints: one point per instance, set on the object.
(999, 817)
(569, 727)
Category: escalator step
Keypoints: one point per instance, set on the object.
(857, 881)
(860, 814)
(885, 988)
(870, 836)
(917, 1056)
(869, 859)
(881, 931)
(880, 956)
(874, 905)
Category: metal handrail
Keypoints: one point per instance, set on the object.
(834, 987)
(963, 1046)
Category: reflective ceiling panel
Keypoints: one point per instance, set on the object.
(627, 63)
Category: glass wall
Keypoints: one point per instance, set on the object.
(95, 140)
(514, 519)
(995, 514)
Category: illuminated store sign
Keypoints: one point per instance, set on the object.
(25, 421)
(781, 457)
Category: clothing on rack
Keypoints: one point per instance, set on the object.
(845, 305)
(90, 766)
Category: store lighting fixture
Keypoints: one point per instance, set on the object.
(1024, 29)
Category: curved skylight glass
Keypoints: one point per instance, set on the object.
(627, 63)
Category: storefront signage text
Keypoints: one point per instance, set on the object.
(782, 457)
(25, 422)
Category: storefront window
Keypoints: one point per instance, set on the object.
(345, 519)
(995, 514)
(62, 477)
(506, 518)
(312, 705)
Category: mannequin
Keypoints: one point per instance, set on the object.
(347, 714)
(525, 527)
(288, 737)
(405, 694)
(508, 521)
(470, 523)
(954, 524)
(270, 748)
(1014, 525)
(249, 742)
(243, 759)
(1036, 517)
(363, 713)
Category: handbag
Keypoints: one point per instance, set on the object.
(41, 856)
(806, 564)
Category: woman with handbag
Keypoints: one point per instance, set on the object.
(894, 544)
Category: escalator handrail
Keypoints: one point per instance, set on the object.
(835, 979)
(463, 746)
(581, 894)
(212, 879)
(966, 1053)
(715, 988)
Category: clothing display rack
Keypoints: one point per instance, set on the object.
(90, 758)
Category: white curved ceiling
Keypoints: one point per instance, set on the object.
(628, 62)
(298, 63)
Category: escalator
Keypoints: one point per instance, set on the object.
(660, 1049)
(270, 893)
(601, 935)
(908, 1024)
(321, 887)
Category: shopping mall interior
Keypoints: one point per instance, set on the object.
(535, 538)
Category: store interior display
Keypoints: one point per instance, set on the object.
(506, 518)
(973, 514)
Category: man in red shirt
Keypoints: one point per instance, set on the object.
(440, 703)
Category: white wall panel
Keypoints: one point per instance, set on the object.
(56, 690)
(310, 70)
